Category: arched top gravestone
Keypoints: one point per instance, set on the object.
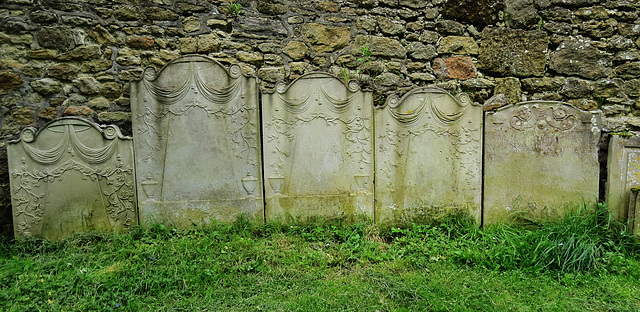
(197, 144)
(71, 176)
(623, 174)
(540, 158)
(428, 156)
(318, 148)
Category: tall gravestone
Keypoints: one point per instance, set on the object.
(428, 156)
(540, 158)
(70, 177)
(196, 139)
(318, 148)
(623, 166)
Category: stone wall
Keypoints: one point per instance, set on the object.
(77, 57)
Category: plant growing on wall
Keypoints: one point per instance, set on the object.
(362, 61)
(235, 9)
(366, 55)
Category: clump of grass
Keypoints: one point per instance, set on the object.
(583, 240)
(326, 264)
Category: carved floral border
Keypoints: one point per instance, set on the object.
(27, 200)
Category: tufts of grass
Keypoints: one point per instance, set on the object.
(586, 261)
(584, 240)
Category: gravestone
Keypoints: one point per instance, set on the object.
(623, 166)
(318, 149)
(70, 177)
(196, 139)
(540, 159)
(633, 212)
(428, 157)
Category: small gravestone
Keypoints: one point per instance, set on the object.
(70, 177)
(623, 174)
(318, 149)
(196, 139)
(428, 157)
(540, 159)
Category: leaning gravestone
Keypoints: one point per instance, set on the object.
(70, 177)
(540, 159)
(196, 139)
(428, 156)
(318, 148)
(623, 166)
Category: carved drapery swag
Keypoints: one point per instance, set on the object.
(229, 102)
(69, 143)
(428, 154)
(412, 116)
(39, 167)
(196, 137)
(318, 143)
(357, 128)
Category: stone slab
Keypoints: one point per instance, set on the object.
(318, 149)
(69, 177)
(196, 139)
(428, 157)
(540, 159)
(633, 226)
(623, 167)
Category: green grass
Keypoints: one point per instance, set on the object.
(585, 262)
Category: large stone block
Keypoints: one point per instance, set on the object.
(102, 36)
(72, 176)
(326, 38)
(9, 82)
(255, 27)
(521, 13)
(512, 52)
(623, 166)
(318, 149)
(540, 159)
(46, 86)
(59, 38)
(458, 45)
(477, 12)
(63, 71)
(379, 46)
(510, 87)
(295, 50)
(197, 150)
(580, 58)
(457, 67)
(428, 156)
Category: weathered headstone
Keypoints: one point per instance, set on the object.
(196, 139)
(428, 156)
(70, 177)
(623, 166)
(318, 148)
(540, 159)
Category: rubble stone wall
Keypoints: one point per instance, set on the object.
(77, 57)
